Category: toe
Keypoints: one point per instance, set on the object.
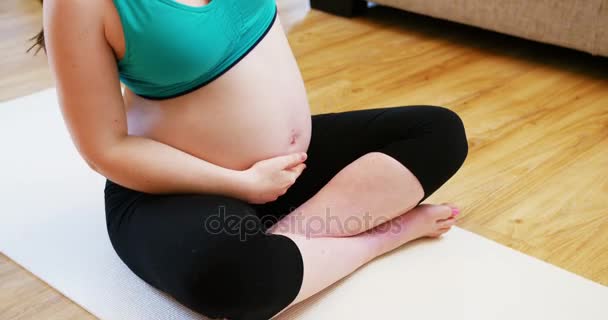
(443, 230)
(446, 223)
(439, 232)
(442, 212)
(453, 207)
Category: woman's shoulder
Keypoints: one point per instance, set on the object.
(83, 15)
(79, 8)
(80, 21)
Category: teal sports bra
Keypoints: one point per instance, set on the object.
(173, 49)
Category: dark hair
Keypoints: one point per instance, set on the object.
(38, 41)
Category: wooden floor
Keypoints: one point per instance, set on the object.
(536, 178)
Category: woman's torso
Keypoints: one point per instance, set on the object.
(258, 109)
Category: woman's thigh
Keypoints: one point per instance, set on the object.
(208, 252)
(428, 140)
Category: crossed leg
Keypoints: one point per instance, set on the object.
(372, 190)
(367, 172)
(391, 160)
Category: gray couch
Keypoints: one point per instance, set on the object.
(577, 24)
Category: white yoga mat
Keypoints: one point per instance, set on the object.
(52, 223)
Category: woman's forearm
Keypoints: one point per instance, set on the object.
(150, 166)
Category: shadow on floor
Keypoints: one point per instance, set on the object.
(493, 42)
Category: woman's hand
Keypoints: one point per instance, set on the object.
(269, 179)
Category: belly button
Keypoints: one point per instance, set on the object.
(293, 138)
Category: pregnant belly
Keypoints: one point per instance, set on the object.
(255, 111)
(233, 136)
(234, 139)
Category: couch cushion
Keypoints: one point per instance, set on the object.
(578, 24)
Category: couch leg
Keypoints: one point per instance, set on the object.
(345, 8)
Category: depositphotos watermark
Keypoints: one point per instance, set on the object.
(297, 223)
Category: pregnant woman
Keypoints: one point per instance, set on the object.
(222, 190)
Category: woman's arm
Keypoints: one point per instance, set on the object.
(85, 70)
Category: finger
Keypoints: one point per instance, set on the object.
(297, 169)
(284, 191)
(292, 160)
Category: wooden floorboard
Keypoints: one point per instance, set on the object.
(536, 178)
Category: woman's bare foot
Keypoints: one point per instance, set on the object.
(425, 220)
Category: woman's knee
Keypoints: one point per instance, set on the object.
(449, 133)
(432, 126)
(235, 278)
(435, 146)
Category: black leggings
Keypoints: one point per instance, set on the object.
(229, 267)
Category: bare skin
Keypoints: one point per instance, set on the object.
(244, 135)
(253, 112)
(320, 268)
